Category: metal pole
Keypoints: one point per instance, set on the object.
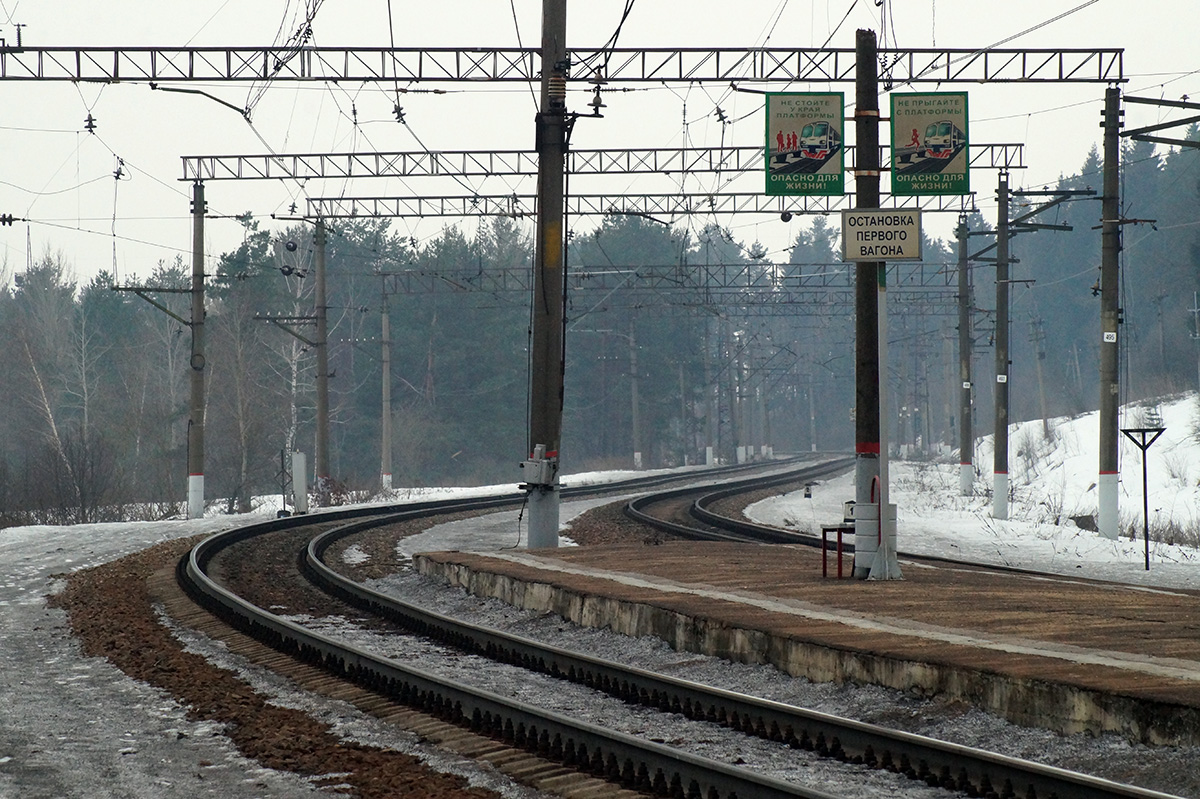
(196, 417)
(1143, 437)
(866, 291)
(1000, 432)
(1145, 510)
(321, 456)
(385, 421)
(1110, 383)
(966, 435)
(546, 366)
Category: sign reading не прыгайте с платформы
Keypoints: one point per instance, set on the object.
(929, 144)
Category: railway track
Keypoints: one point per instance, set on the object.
(630, 761)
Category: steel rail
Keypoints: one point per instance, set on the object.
(722, 528)
(1043, 780)
(949, 765)
(619, 757)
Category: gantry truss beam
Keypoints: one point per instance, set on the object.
(831, 304)
(464, 163)
(738, 289)
(761, 278)
(741, 304)
(659, 207)
(626, 65)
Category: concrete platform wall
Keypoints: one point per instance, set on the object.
(1027, 701)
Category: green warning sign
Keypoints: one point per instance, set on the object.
(804, 144)
(929, 144)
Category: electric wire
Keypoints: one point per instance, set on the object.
(211, 17)
(76, 187)
(1005, 40)
(517, 28)
(291, 48)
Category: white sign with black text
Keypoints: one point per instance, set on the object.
(881, 235)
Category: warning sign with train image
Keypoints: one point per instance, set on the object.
(804, 144)
(929, 144)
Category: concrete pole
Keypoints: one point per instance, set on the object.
(321, 454)
(635, 400)
(866, 291)
(768, 447)
(385, 421)
(712, 394)
(966, 433)
(685, 419)
(812, 413)
(1110, 383)
(546, 358)
(1195, 312)
(196, 417)
(1038, 337)
(884, 566)
(1000, 431)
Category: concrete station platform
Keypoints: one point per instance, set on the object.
(1066, 654)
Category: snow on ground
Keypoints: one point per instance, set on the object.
(76, 727)
(1052, 480)
(79, 727)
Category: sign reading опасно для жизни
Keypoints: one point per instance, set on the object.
(929, 144)
(804, 148)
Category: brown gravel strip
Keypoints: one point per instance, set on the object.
(608, 524)
(111, 612)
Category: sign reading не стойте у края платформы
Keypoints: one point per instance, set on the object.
(804, 150)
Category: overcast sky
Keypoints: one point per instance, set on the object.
(61, 177)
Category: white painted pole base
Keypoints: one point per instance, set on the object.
(195, 496)
(1000, 497)
(543, 517)
(385, 482)
(741, 454)
(1106, 520)
(885, 566)
(299, 483)
(966, 479)
(868, 547)
(637, 460)
(709, 458)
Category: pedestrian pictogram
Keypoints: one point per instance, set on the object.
(804, 144)
(929, 144)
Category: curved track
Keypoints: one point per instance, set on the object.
(630, 761)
